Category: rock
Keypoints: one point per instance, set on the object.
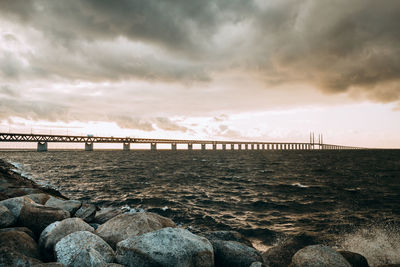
(9, 257)
(125, 225)
(355, 259)
(20, 229)
(68, 248)
(15, 204)
(69, 205)
(227, 236)
(235, 254)
(7, 218)
(57, 230)
(166, 247)
(39, 198)
(86, 212)
(281, 255)
(87, 257)
(37, 217)
(106, 214)
(257, 264)
(94, 225)
(21, 242)
(318, 255)
(50, 264)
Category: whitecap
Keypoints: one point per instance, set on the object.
(300, 185)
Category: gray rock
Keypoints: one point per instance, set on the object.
(234, 254)
(88, 257)
(86, 212)
(106, 214)
(68, 248)
(20, 229)
(21, 242)
(7, 218)
(318, 256)
(57, 230)
(15, 204)
(355, 259)
(166, 247)
(130, 224)
(39, 198)
(257, 264)
(281, 255)
(9, 257)
(227, 236)
(69, 205)
(37, 217)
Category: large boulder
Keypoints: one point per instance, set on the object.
(86, 212)
(49, 264)
(318, 256)
(227, 236)
(9, 257)
(166, 247)
(37, 217)
(57, 230)
(69, 205)
(21, 242)
(355, 259)
(16, 204)
(234, 254)
(130, 224)
(39, 198)
(70, 246)
(281, 254)
(106, 214)
(7, 218)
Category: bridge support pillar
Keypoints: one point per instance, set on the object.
(203, 147)
(126, 146)
(239, 146)
(214, 146)
(88, 146)
(246, 146)
(223, 146)
(173, 146)
(190, 146)
(252, 146)
(42, 146)
(153, 146)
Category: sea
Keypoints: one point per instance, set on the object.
(348, 198)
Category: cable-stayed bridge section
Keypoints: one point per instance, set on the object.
(43, 139)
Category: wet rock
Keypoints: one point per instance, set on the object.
(257, 264)
(125, 225)
(281, 255)
(9, 257)
(234, 254)
(166, 247)
(15, 204)
(39, 198)
(37, 217)
(57, 230)
(69, 205)
(106, 214)
(88, 257)
(86, 212)
(68, 248)
(355, 259)
(7, 218)
(227, 236)
(21, 242)
(20, 229)
(318, 255)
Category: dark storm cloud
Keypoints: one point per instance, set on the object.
(333, 44)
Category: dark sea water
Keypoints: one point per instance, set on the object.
(262, 194)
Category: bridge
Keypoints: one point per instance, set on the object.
(43, 139)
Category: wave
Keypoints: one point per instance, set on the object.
(300, 185)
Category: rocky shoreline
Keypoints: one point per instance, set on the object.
(41, 227)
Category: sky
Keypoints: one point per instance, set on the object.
(224, 69)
